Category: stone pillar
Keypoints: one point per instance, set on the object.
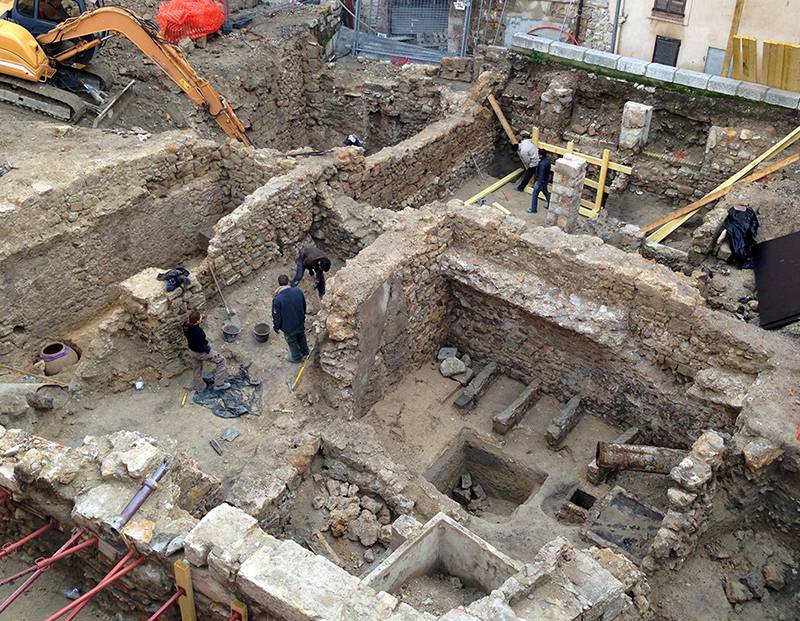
(636, 118)
(570, 172)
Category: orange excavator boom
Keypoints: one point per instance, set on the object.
(171, 60)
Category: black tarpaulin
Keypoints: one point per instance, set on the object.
(777, 270)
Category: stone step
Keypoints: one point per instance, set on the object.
(564, 422)
(470, 395)
(503, 422)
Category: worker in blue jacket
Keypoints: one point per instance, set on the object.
(542, 179)
(289, 317)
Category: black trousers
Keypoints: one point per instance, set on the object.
(300, 272)
(526, 178)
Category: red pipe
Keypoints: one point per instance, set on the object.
(114, 570)
(561, 30)
(235, 616)
(10, 548)
(89, 595)
(37, 571)
(45, 563)
(165, 606)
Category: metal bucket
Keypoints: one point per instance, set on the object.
(261, 332)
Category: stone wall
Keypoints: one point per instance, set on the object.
(385, 313)
(431, 164)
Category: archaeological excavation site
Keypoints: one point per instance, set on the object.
(586, 413)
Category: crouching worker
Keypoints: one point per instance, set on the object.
(289, 317)
(200, 351)
(315, 261)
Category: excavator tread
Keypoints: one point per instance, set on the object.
(42, 98)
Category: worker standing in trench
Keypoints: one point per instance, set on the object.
(542, 179)
(289, 317)
(527, 152)
(200, 351)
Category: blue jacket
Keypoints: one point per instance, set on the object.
(543, 170)
(289, 311)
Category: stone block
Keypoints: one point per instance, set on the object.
(634, 66)
(535, 44)
(220, 527)
(637, 115)
(564, 422)
(630, 138)
(503, 422)
(760, 453)
(657, 71)
(565, 50)
(478, 385)
(405, 527)
(726, 86)
(601, 58)
(692, 79)
(749, 90)
(785, 99)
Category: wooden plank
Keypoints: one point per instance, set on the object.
(183, 579)
(685, 213)
(241, 608)
(495, 186)
(591, 159)
(749, 59)
(586, 205)
(501, 209)
(503, 121)
(738, 59)
(791, 67)
(598, 201)
(735, 21)
(772, 64)
(591, 183)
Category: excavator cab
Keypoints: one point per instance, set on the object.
(41, 16)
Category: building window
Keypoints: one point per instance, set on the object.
(672, 7)
(666, 51)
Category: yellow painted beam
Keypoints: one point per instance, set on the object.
(495, 186)
(183, 579)
(501, 209)
(749, 59)
(735, 21)
(791, 67)
(591, 159)
(788, 140)
(738, 61)
(598, 201)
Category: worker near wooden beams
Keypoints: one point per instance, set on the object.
(542, 179)
(317, 263)
(200, 351)
(527, 152)
(289, 317)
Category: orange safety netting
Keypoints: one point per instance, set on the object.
(189, 19)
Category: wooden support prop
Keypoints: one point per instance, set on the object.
(591, 159)
(501, 209)
(677, 221)
(791, 67)
(749, 59)
(711, 197)
(772, 64)
(738, 63)
(502, 118)
(183, 579)
(43, 378)
(598, 201)
(586, 208)
(735, 21)
(495, 186)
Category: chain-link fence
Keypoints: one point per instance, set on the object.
(421, 30)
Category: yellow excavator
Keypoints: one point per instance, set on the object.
(45, 51)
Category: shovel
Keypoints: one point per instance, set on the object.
(232, 323)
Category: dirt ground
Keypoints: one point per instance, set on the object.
(45, 597)
(156, 410)
(437, 593)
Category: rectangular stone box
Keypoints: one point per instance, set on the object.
(507, 483)
(444, 546)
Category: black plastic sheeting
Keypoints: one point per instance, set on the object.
(777, 271)
(742, 227)
(243, 397)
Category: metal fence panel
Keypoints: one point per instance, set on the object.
(422, 30)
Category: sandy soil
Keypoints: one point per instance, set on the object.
(44, 597)
(157, 409)
(437, 593)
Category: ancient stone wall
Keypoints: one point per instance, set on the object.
(385, 313)
(431, 164)
(345, 227)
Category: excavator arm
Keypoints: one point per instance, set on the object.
(171, 60)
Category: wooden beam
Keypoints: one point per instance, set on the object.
(591, 159)
(735, 21)
(502, 118)
(749, 59)
(713, 196)
(598, 202)
(791, 67)
(495, 186)
(738, 59)
(183, 578)
(772, 64)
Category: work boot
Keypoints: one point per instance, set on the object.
(224, 386)
(288, 358)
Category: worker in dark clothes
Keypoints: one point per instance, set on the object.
(542, 179)
(200, 351)
(317, 263)
(289, 316)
